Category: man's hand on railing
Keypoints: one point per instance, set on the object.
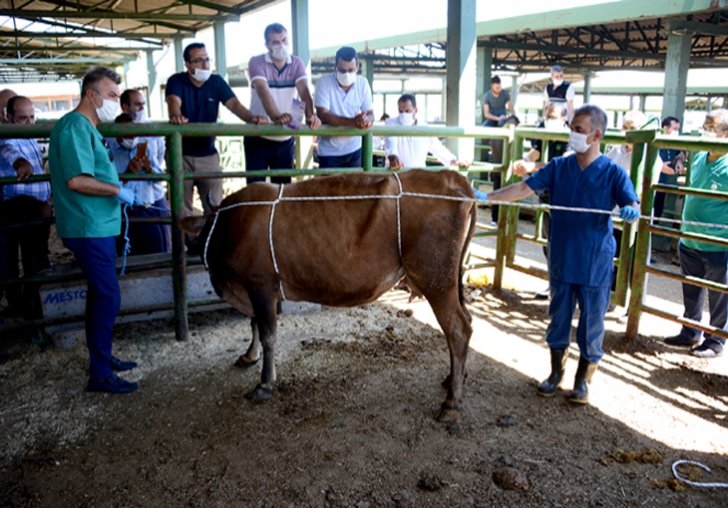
(313, 122)
(363, 121)
(679, 168)
(460, 164)
(395, 162)
(178, 120)
(24, 169)
(283, 119)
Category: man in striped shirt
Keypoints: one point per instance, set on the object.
(275, 77)
(23, 202)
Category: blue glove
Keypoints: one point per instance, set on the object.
(480, 196)
(127, 196)
(629, 214)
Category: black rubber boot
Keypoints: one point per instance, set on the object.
(584, 373)
(558, 362)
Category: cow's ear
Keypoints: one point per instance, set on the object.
(193, 225)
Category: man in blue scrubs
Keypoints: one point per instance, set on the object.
(581, 244)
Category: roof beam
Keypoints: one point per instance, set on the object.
(679, 25)
(213, 6)
(98, 14)
(12, 62)
(11, 34)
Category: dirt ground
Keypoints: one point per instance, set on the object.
(352, 422)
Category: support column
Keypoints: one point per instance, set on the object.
(367, 70)
(514, 92)
(220, 53)
(587, 88)
(299, 26)
(179, 60)
(461, 40)
(154, 105)
(643, 102)
(483, 68)
(676, 75)
(708, 104)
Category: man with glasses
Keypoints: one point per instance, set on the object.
(343, 99)
(275, 77)
(133, 102)
(23, 202)
(195, 96)
(86, 196)
(702, 260)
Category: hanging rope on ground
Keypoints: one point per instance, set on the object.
(127, 244)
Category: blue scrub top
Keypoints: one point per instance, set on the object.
(581, 244)
(199, 105)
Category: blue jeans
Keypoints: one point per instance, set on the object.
(593, 303)
(97, 259)
(707, 265)
(350, 160)
(261, 153)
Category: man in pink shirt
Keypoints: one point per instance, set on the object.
(275, 77)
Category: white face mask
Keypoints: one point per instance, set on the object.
(279, 53)
(345, 78)
(407, 118)
(129, 144)
(108, 109)
(553, 124)
(557, 82)
(202, 75)
(674, 133)
(141, 116)
(577, 142)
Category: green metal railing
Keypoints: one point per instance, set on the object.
(641, 267)
(176, 177)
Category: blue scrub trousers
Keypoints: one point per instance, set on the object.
(350, 160)
(261, 153)
(97, 259)
(708, 265)
(593, 302)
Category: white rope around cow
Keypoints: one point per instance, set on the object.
(399, 195)
(696, 484)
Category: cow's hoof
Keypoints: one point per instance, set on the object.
(260, 394)
(448, 415)
(244, 362)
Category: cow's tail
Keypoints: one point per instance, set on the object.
(464, 253)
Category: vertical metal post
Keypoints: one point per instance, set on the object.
(367, 70)
(154, 107)
(179, 270)
(514, 91)
(676, 75)
(643, 102)
(587, 88)
(461, 49)
(299, 20)
(483, 71)
(367, 149)
(179, 60)
(512, 150)
(220, 51)
(642, 245)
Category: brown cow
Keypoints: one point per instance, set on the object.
(343, 253)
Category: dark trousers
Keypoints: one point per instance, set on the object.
(261, 154)
(711, 266)
(97, 259)
(30, 241)
(147, 238)
(593, 303)
(350, 160)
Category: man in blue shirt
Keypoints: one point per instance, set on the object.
(195, 96)
(23, 202)
(581, 244)
(144, 237)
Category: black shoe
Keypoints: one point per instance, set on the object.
(584, 373)
(682, 341)
(119, 365)
(708, 349)
(558, 363)
(111, 384)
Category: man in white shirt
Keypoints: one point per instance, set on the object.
(343, 99)
(407, 152)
